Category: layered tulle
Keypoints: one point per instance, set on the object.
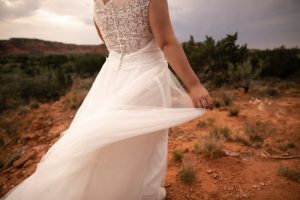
(116, 145)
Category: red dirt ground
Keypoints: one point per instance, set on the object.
(246, 174)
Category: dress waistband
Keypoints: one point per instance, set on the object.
(149, 54)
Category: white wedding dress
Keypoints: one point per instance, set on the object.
(116, 145)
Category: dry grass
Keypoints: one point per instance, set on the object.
(212, 147)
(222, 99)
(187, 174)
(177, 155)
(10, 159)
(212, 144)
(233, 111)
(242, 139)
(258, 132)
(220, 132)
(74, 101)
(202, 124)
(197, 148)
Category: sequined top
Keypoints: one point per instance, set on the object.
(123, 24)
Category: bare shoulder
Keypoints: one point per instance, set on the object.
(158, 6)
(158, 2)
(160, 22)
(159, 11)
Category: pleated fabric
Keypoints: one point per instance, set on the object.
(116, 146)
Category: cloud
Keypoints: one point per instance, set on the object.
(66, 21)
(260, 24)
(79, 9)
(11, 9)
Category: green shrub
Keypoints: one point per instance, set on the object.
(88, 64)
(8, 127)
(273, 92)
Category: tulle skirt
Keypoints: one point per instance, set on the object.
(116, 146)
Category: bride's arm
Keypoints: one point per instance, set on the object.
(162, 29)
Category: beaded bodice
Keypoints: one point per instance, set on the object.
(123, 24)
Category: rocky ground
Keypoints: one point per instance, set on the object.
(255, 155)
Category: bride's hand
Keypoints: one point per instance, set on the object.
(201, 97)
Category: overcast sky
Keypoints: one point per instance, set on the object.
(260, 23)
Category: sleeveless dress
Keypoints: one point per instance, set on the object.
(116, 146)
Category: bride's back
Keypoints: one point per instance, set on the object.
(123, 24)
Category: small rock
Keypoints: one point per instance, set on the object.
(215, 175)
(180, 137)
(255, 186)
(262, 183)
(209, 171)
(50, 121)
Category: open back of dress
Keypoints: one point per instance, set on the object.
(116, 146)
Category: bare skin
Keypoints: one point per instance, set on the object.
(163, 32)
(162, 29)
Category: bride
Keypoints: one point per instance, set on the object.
(116, 146)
